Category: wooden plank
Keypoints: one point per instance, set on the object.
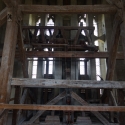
(68, 9)
(83, 102)
(39, 113)
(3, 15)
(63, 108)
(70, 54)
(53, 83)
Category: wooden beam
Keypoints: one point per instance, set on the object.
(121, 102)
(71, 54)
(39, 113)
(22, 53)
(7, 61)
(3, 15)
(53, 83)
(62, 108)
(122, 28)
(59, 27)
(83, 102)
(68, 9)
(11, 3)
(114, 47)
(22, 56)
(16, 113)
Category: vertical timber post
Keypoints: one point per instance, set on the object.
(7, 61)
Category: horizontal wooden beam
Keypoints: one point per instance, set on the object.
(68, 54)
(71, 54)
(60, 27)
(62, 108)
(68, 9)
(53, 83)
(3, 15)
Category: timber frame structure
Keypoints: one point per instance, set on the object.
(16, 48)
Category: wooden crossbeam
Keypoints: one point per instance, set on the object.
(83, 102)
(68, 9)
(71, 54)
(3, 15)
(62, 108)
(53, 83)
(39, 113)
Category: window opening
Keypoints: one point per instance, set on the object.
(37, 24)
(35, 62)
(50, 23)
(82, 66)
(82, 22)
(34, 68)
(50, 60)
(97, 60)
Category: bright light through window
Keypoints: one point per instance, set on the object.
(95, 25)
(34, 68)
(50, 68)
(97, 60)
(82, 66)
(50, 23)
(37, 24)
(82, 23)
